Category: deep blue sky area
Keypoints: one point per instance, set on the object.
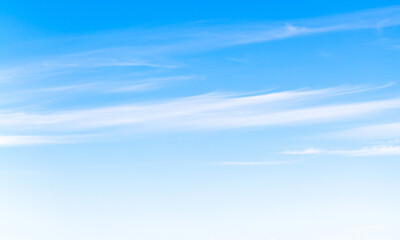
(75, 17)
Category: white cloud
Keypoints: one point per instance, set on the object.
(68, 64)
(149, 84)
(257, 163)
(26, 140)
(381, 150)
(114, 87)
(307, 151)
(209, 111)
(377, 131)
(134, 51)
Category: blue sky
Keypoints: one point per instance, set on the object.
(201, 121)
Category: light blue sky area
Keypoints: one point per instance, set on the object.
(211, 121)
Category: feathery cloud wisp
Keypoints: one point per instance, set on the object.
(256, 163)
(134, 51)
(209, 111)
(381, 150)
(6, 141)
(377, 131)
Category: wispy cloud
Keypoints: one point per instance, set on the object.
(256, 163)
(64, 88)
(155, 48)
(307, 151)
(73, 63)
(149, 84)
(6, 141)
(208, 111)
(377, 131)
(381, 150)
(114, 86)
(27, 140)
(127, 52)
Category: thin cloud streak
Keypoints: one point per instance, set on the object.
(188, 39)
(67, 65)
(150, 84)
(377, 131)
(381, 150)
(327, 113)
(7, 141)
(29, 140)
(256, 163)
(114, 87)
(209, 111)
